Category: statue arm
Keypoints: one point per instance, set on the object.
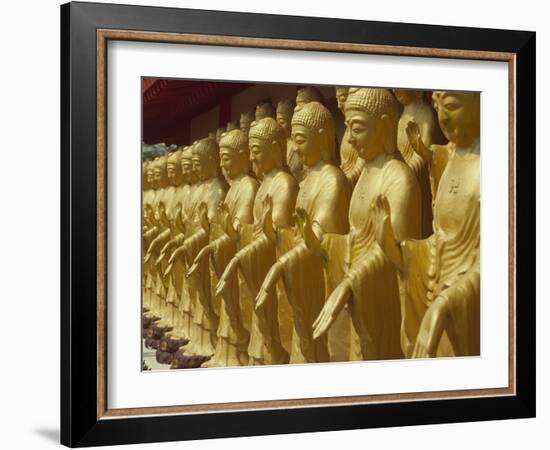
(179, 220)
(331, 210)
(403, 197)
(455, 310)
(284, 201)
(243, 211)
(215, 199)
(414, 135)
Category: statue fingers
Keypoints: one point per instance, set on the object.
(192, 270)
(220, 287)
(168, 270)
(322, 327)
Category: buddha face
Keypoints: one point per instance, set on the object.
(230, 162)
(171, 172)
(308, 143)
(366, 133)
(150, 176)
(407, 96)
(157, 176)
(458, 115)
(200, 166)
(341, 96)
(262, 156)
(186, 169)
(283, 120)
(245, 127)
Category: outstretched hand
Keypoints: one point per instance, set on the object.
(268, 285)
(384, 231)
(413, 133)
(267, 219)
(203, 216)
(334, 304)
(415, 139)
(227, 221)
(308, 235)
(230, 269)
(431, 329)
(206, 250)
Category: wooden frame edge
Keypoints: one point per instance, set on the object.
(103, 35)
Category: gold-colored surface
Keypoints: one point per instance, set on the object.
(298, 254)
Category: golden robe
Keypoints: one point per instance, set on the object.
(324, 195)
(265, 346)
(447, 263)
(233, 337)
(375, 304)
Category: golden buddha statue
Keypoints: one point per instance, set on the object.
(416, 109)
(232, 346)
(212, 189)
(231, 126)
(147, 199)
(187, 201)
(275, 198)
(367, 280)
(440, 274)
(324, 196)
(153, 283)
(244, 123)
(164, 229)
(179, 162)
(263, 110)
(350, 162)
(285, 109)
(309, 94)
(218, 135)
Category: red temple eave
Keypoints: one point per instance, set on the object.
(169, 105)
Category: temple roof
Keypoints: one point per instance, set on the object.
(170, 104)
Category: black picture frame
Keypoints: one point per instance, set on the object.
(80, 425)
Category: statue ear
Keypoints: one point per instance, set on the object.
(278, 152)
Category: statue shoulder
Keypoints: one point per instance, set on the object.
(442, 153)
(334, 175)
(251, 182)
(285, 179)
(397, 171)
(220, 184)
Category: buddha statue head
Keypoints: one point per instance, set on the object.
(285, 109)
(148, 175)
(231, 126)
(267, 144)
(313, 134)
(372, 116)
(309, 94)
(188, 172)
(173, 168)
(407, 96)
(234, 154)
(159, 173)
(219, 132)
(341, 96)
(458, 114)
(206, 159)
(246, 119)
(263, 110)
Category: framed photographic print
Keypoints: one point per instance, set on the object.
(278, 224)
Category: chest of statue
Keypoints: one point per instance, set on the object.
(369, 185)
(458, 188)
(309, 188)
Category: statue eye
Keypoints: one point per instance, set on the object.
(452, 106)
